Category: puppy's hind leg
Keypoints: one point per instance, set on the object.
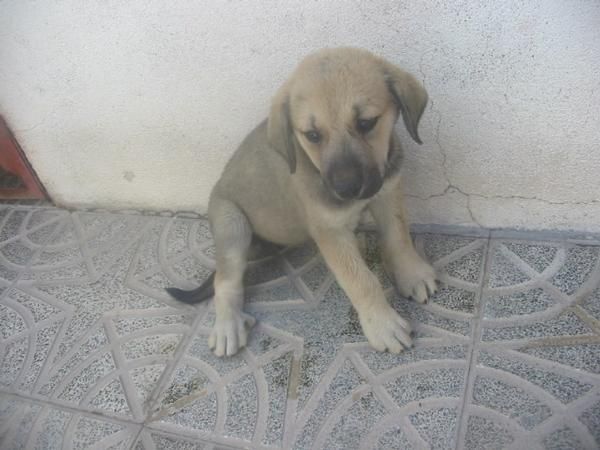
(233, 235)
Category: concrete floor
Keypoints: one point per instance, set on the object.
(96, 355)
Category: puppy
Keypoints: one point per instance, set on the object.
(327, 152)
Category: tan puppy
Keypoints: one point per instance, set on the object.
(327, 152)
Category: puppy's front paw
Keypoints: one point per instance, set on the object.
(385, 329)
(415, 278)
(230, 333)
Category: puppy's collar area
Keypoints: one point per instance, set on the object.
(394, 158)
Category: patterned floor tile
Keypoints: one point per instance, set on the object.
(175, 252)
(241, 400)
(31, 425)
(327, 373)
(536, 367)
(90, 342)
(95, 354)
(157, 440)
(366, 399)
(22, 233)
(83, 248)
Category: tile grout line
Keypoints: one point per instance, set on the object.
(146, 406)
(123, 375)
(48, 402)
(474, 350)
(34, 430)
(10, 429)
(136, 437)
(14, 284)
(178, 355)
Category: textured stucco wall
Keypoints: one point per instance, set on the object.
(140, 103)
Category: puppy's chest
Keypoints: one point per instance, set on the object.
(339, 217)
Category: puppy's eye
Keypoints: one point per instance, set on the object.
(313, 136)
(365, 125)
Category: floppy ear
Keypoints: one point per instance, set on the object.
(410, 96)
(279, 128)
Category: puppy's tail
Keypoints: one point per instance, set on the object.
(205, 291)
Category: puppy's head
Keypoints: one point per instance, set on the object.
(339, 107)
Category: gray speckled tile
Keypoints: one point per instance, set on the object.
(300, 256)
(503, 271)
(11, 322)
(36, 426)
(485, 433)
(267, 270)
(277, 375)
(538, 256)
(16, 418)
(591, 419)
(53, 432)
(113, 362)
(372, 256)
(539, 347)
(157, 440)
(456, 257)
(518, 303)
(394, 437)
(563, 387)
(14, 354)
(468, 268)
(315, 276)
(453, 299)
(563, 439)
(437, 247)
(174, 252)
(432, 383)
(432, 351)
(591, 304)
(567, 324)
(341, 386)
(355, 423)
(22, 233)
(201, 414)
(510, 401)
(242, 414)
(427, 321)
(437, 427)
(578, 267)
(528, 326)
(582, 356)
(84, 247)
(90, 431)
(151, 440)
(375, 392)
(252, 401)
(88, 332)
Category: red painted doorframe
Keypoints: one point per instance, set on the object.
(12, 159)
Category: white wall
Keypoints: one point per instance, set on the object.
(139, 103)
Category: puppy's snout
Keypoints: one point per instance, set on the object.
(346, 180)
(372, 184)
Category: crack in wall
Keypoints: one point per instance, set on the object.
(449, 185)
(452, 187)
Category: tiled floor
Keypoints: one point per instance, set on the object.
(94, 354)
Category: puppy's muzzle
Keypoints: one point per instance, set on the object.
(346, 179)
(349, 180)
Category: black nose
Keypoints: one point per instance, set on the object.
(346, 180)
